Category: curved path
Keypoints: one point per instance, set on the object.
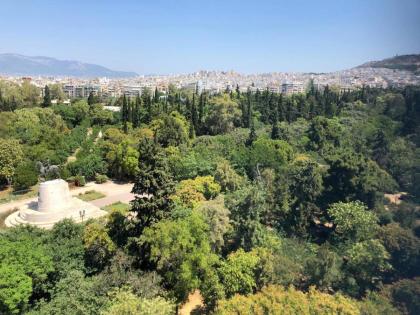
(112, 190)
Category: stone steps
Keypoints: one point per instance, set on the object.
(17, 218)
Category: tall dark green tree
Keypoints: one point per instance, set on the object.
(247, 207)
(289, 111)
(156, 96)
(130, 108)
(153, 186)
(380, 148)
(280, 108)
(247, 112)
(91, 99)
(201, 105)
(136, 113)
(125, 114)
(252, 134)
(275, 131)
(194, 118)
(47, 97)
(147, 101)
(187, 112)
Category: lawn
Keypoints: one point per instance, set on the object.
(90, 195)
(8, 194)
(117, 206)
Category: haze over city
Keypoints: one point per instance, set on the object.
(193, 157)
(167, 37)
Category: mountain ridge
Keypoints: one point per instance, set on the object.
(17, 64)
(409, 62)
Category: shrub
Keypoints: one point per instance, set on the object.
(100, 179)
(79, 180)
(25, 176)
(65, 173)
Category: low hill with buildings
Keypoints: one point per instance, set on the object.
(15, 64)
(403, 62)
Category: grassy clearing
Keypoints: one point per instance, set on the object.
(90, 195)
(117, 206)
(8, 194)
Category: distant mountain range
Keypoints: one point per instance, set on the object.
(403, 62)
(20, 65)
(14, 64)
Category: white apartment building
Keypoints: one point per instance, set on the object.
(292, 87)
(80, 91)
(132, 90)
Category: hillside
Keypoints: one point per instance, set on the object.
(14, 64)
(403, 62)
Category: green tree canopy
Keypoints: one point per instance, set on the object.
(181, 251)
(353, 221)
(10, 155)
(153, 186)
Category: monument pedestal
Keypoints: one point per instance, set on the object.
(54, 204)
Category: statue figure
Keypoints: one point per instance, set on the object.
(48, 171)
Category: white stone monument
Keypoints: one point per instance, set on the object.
(54, 204)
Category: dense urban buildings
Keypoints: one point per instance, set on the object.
(217, 81)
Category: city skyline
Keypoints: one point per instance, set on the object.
(190, 36)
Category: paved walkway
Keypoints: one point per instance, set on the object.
(113, 191)
(125, 197)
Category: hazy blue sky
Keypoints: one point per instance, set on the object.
(158, 36)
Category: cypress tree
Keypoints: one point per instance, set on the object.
(288, 111)
(47, 97)
(178, 102)
(130, 110)
(91, 99)
(194, 118)
(153, 186)
(380, 148)
(238, 92)
(125, 114)
(165, 104)
(156, 96)
(191, 131)
(301, 107)
(188, 108)
(275, 131)
(148, 103)
(311, 107)
(201, 110)
(257, 96)
(252, 135)
(280, 109)
(249, 113)
(136, 114)
(272, 106)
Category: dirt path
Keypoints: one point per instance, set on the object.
(194, 302)
(89, 133)
(395, 198)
